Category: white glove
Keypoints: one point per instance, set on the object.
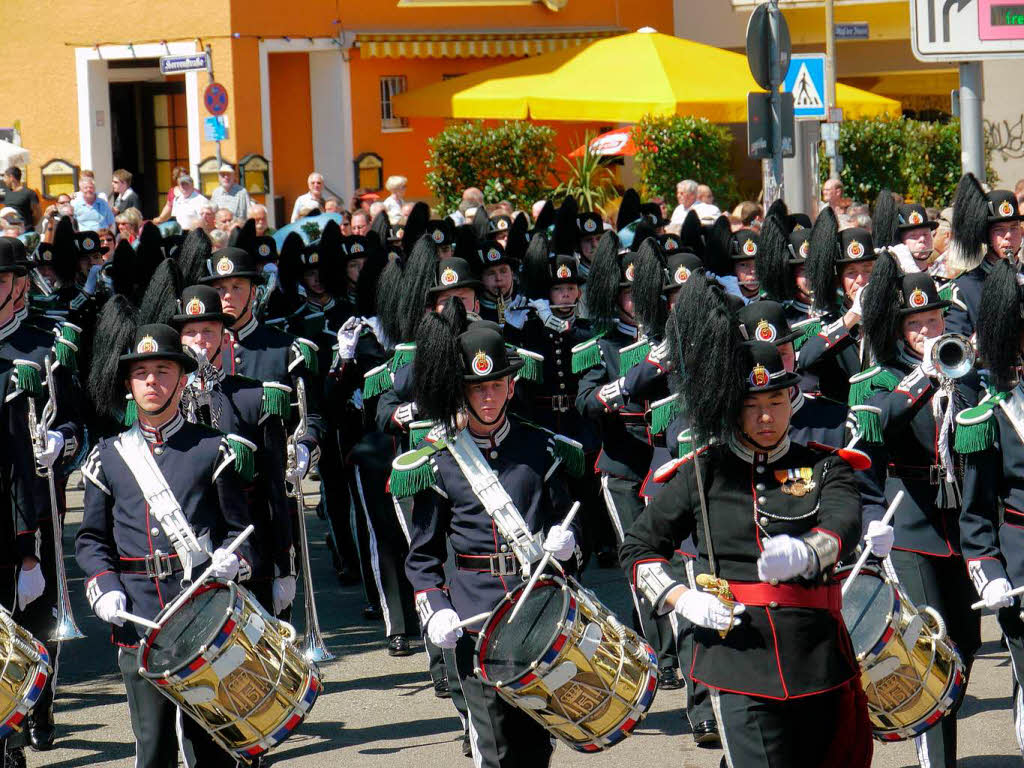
(994, 594)
(784, 558)
(706, 610)
(92, 279)
(283, 591)
(296, 473)
(225, 565)
(926, 365)
(543, 309)
(107, 606)
(405, 413)
(441, 628)
(31, 584)
(348, 338)
(857, 308)
(52, 450)
(560, 542)
(879, 538)
(270, 268)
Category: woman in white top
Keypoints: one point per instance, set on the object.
(393, 202)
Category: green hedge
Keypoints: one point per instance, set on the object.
(918, 159)
(511, 161)
(670, 149)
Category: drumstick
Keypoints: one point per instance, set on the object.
(540, 567)
(471, 620)
(230, 548)
(136, 619)
(1012, 593)
(867, 550)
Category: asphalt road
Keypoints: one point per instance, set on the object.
(377, 710)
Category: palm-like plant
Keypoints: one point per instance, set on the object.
(590, 182)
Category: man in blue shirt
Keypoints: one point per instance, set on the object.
(92, 213)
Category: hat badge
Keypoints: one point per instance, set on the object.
(671, 244)
(357, 248)
(1005, 209)
(263, 250)
(918, 298)
(563, 272)
(47, 255)
(765, 331)
(88, 243)
(630, 271)
(314, 258)
(482, 363)
(449, 276)
(195, 307)
(759, 376)
(855, 249)
(493, 254)
(225, 266)
(502, 224)
(590, 225)
(915, 217)
(147, 345)
(438, 236)
(682, 274)
(805, 249)
(749, 248)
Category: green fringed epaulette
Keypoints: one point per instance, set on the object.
(66, 353)
(684, 443)
(570, 453)
(633, 354)
(808, 330)
(27, 377)
(245, 457)
(70, 332)
(412, 472)
(946, 292)
(862, 387)
(533, 365)
(404, 354)
(975, 427)
(131, 413)
(377, 380)
(276, 400)
(586, 355)
(419, 430)
(663, 412)
(309, 357)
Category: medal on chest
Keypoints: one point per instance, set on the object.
(796, 481)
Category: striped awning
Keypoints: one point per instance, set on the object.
(473, 46)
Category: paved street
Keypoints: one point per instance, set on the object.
(377, 708)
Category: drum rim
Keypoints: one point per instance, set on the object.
(506, 604)
(145, 644)
(895, 610)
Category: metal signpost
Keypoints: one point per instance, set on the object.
(768, 53)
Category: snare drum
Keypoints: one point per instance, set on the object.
(23, 674)
(231, 667)
(911, 672)
(568, 663)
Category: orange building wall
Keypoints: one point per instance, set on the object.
(290, 126)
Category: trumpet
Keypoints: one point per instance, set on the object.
(953, 355)
(314, 648)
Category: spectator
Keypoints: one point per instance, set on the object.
(705, 195)
(749, 214)
(129, 224)
(686, 196)
(832, 195)
(229, 193)
(396, 185)
(224, 219)
(1018, 190)
(172, 194)
(107, 241)
(218, 239)
(375, 208)
(346, 223)
(258, 213)
(207, 216)
(332, 205)
(360, 222)
(91, 212)
(11, 223)
(363, 198)
(473, 196)
(122, 196)
(187, 203)
(537, 208)
(21, 198)
(309, 210)
(314, 197)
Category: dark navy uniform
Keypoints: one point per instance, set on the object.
(963, 315)
(832, 357)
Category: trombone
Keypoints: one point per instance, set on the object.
(66, 628)
(314, 648)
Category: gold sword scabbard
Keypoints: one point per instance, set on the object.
(720, 589)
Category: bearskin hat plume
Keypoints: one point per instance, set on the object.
(193, 255)
(1000, 324)
(772, 262)
(821, 261)
(418, 277)
(649, 306)
(885, 221)
(566, 239)
(388, 296)
(629, 209)
(969, 241)
(536, 268)
(718, 240)
(881, 304)
(603, 281)
(115, 328)
(438, 369)
(415, 225)
(160, 301)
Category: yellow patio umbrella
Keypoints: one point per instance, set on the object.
(614, 80)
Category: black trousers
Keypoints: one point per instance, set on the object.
(698, 700)
(502, 736)
(624, 503)
(161, 729)
(335, 502)
(943, 584)
(1012, 624)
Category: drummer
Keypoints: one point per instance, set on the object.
(135, 560)
(526, 462)
(779, 662)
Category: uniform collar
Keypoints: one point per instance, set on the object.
(759, 457)
(494, 439)
(799, 306)
(12, 325)
(162, 433)
(246, 329)
(906, 356)
(628, 330)
(797, 401)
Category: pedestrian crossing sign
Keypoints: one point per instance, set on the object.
(806, 81)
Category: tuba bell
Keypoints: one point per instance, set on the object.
(953, 355)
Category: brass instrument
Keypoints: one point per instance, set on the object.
(66, 628)
(953, 355)
(314, 648)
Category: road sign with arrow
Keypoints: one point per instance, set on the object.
(967, 30)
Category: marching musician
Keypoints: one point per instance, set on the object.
(775, 652)
(162, 500)
(447, 511)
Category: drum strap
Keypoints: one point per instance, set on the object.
(495, 500)
(134, 449)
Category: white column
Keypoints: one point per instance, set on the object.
(265, 129)
(93, 114)
(331, 120)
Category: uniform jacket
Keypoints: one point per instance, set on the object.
(832, 356)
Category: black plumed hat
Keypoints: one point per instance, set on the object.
(629, 209)
(603, 281)
(115, 328)
(822, 260)
(880, 302)
(1000, 325)
(885, 220)
(717, 247)
(566, 236)
(160, 301)
(545, 218)
(774, 274)
(536, 268)
(415, 225)
(193, 254)
(969, 240)
(515, 246)
(649, 306)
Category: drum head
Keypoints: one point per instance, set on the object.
(193, 625)
(510, 649)
(866, 610)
